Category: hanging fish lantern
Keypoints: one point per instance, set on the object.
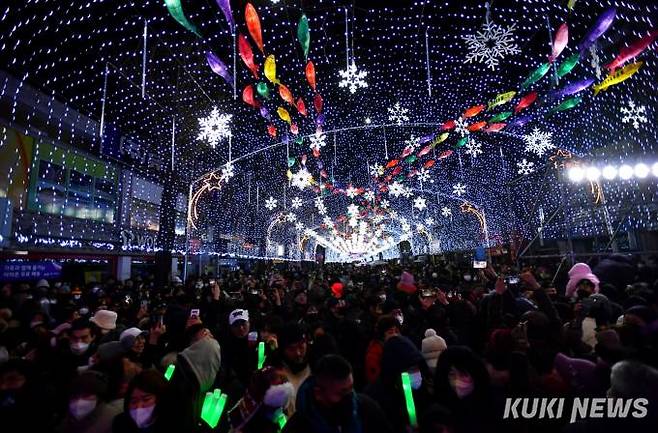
(632, 51)
(265, 113)
(253, 25)
(219, 68)
(473, 111)
(283, 114)
(271, 129)
(445, 154)
(500, 117)
(450, 124)
(430, 163)
(323, 173)
(291, 161)
(440, 139)
(289, 173)
(310, 74)
(618, 76)
(319, 120)
(476, 126)
(572, 88)
(248, 96)
(294, 129)
(500, 99)
(567, 65)
(392, 163)
(603, 23)
(407, 151)
(412, 173)
(410, 160)
(176, 11)
(495, 127)
(520, 121)
(317, 102)
(425, 150)
(525, 101)
(426, 138)
(263, 90)
(225, 6)
(270, 69)
(560, 42)
(396, 171)
(462, 141)
(247, 55)
(536, 75)
(286, 94)
(301, 107)
(566, 105)
(303, 35)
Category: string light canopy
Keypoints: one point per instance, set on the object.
(430, 125)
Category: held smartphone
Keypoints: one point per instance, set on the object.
(514, 279)
(195, 312)
(252, 336)
(477, 264)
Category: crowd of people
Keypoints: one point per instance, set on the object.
(325, 350)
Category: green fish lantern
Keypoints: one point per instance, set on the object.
(263, 90)
(536, 75)
(566, 66)
(462, 141)
(303, 35)
(566, 105)
(500, 117)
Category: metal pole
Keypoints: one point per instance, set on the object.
(556, 80)
(427, 60)
(102, 128)
(187, 232)
(235, 65)
(144, 59)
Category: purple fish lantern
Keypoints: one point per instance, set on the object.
(427, 138)
(219, 68)
(602, 24)
(573, 88)
(320, 164)
(319, 120)
(225, 6)
(265, 113)
(520, 121)
(285, 139)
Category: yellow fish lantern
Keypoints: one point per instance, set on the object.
(440, 139)
(500, 99)
(617, 76)
(289, 174)
(270, 69)
(283, 114)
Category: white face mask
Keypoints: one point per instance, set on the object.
(79, 348)
(463, 388)
(400, 318)
(416, 380)
(81, 407)
(278, 395)
(143, 416)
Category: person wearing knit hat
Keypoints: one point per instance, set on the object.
(265, 399)
(106, 320)
(432, 346)
(42, 284)
(407, 283)
(578, 273)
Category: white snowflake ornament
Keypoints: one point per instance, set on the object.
(396, 189)
(302, 178)
(398, 114)
(491, 44)
(384, 204)
(296, 203)
(429, 222)
(458, 189)
(424, 175)
(270, 203)
(353, 210)
(215, 127)
(634, 114)
(291, 217)
(419, 203)
(318, 140)
(352, 78)
(461, 127)
(369, 195)
(228, 171)
(299, 226)
(376, 170)
(352, 192)
(446, 212)
(473, 148)
(538, 142)
(525, 167)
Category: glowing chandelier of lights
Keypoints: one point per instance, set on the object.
(624, 172)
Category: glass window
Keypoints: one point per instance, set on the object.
(51, 173)
(105, 186)
(80, 181)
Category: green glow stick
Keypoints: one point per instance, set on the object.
(261, 354)
(280, 419)
(170, 371)
(408, 396)
(207, 403)
(213, 407)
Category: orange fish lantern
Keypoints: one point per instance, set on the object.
(286, 94)
(429, 163)
(316, 153)
(294, 129)
(392, 163)
(477, 126)
(271, 129)
(247, 55)
(253, 25)
(248, 96)
(301, 107)
(495, 127)
(317, 102)
(310, 74)
(474, 111)
(450, 124)
(445, 154)
(397, 171)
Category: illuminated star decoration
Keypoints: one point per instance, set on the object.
(525, 167)
(352, 78)
(419, 203)
(490, 44)
(634, 114)
(296, 203)
(398, 114)
(302, 178)
(459, 189)
(446, 212)
(270, 203)
(318, 140)
(215, 127)
(228, 171)
(538, 142)
(473, 148)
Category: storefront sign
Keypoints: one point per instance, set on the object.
(29, 270)
(137, 241)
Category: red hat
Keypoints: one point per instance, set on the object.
(337, 289)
